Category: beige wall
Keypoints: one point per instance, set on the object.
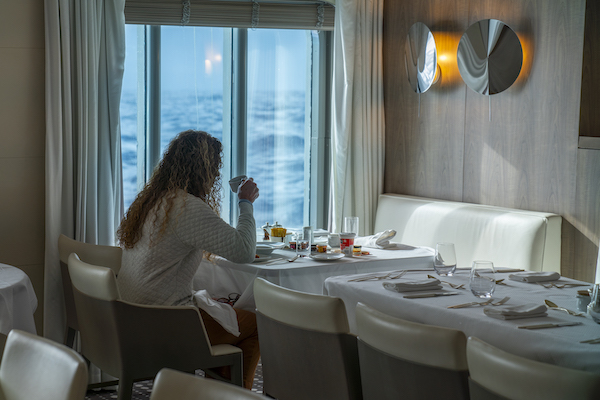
(22, 140)
(526, 154)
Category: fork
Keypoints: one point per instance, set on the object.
(452, 285)
(375, 277)
(482, 303)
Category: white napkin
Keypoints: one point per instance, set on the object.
(534, 276)
(413, 286)
(530, 310)
(223, 313)
(381, 240)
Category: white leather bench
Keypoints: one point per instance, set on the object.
(512, 238)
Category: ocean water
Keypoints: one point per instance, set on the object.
(276, 145)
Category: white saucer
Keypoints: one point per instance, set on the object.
(327, 256)
(261, 258)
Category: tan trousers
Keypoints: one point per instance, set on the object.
(247, 341)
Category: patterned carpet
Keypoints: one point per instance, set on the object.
(142, 390)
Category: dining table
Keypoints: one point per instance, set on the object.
(560, 345)
(18, 300)
(223, 278)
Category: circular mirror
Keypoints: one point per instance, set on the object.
(420, 57)
(489, 56)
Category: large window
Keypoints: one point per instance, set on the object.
(262, 92)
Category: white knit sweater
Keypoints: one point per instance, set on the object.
(160, 271)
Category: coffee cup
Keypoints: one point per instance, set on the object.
(234, 183)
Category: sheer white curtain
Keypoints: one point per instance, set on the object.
(85, 51)
(358, 123)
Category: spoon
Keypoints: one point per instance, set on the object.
(553, 306)
(294, 258)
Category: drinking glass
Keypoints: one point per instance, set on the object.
(303, 242)
(444, 261)
(351, 225)
(482, 279)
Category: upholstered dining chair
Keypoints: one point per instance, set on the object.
(498, 375)
(133, 341)
(171, 384)
(408, 360)
(33, 367)
(307, 350)
(107, 256)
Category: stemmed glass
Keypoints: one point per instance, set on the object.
(482, 279)
(444, 261)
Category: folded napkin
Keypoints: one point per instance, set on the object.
(381, 240)
(413, 286)
(515, 312)
(534, 276)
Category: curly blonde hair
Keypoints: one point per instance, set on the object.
(191, 163)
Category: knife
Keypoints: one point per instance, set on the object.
(542, 326)
(421, 295)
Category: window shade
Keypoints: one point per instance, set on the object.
(290, 14)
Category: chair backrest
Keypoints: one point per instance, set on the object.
(95, 293)
(33, 367)
(306, 349)
(134, 339)
(171, 384)
(107, 256)
(496, 374)
(399, 356)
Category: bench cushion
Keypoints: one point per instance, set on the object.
(509, 237)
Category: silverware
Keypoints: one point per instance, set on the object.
(553, 306)
(422, 295)
(482, 303)
(294, 258)
(452, 285)
(379, 277)
(543, 326)
(549, 285)
(591, 341)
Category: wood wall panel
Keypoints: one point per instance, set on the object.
(423, 132)
(514, 149)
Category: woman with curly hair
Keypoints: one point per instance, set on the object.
(173, 224)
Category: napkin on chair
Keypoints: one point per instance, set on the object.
(413, 286)
(534, 276)
(515, 312)
(381, 240)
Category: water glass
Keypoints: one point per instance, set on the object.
(482, 279)
(444, 261)
(351, 225)
(303, 242)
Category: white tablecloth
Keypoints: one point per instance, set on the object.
(18, 301)
(223, 277)
(558, 346)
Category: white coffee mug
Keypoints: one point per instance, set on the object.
(234, 183)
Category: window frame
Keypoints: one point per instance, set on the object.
(318, 138)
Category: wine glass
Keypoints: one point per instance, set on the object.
(482, 279)
(444, 261)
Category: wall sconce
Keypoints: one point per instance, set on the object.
(489, 57)
(420, 58)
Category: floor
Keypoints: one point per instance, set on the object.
(142, 390)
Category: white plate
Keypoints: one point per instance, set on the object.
(326, 256)
(273, 245)
(261, 258)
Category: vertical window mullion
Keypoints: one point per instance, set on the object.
(153, 100)
(238, 109)
(320, 137)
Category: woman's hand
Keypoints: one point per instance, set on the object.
(248, 190)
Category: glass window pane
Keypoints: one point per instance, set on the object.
(129, 116)
(278, 77)
(191, 81)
